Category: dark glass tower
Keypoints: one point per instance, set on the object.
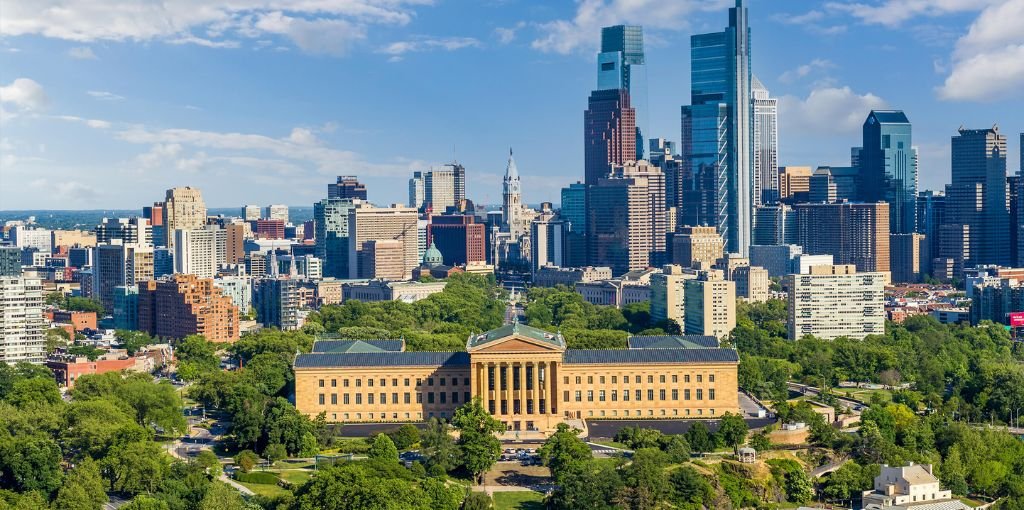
(717, 131)
(977, 195)
(620, 65)
(608, 127)
(888, 168)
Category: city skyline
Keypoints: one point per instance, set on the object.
(84, 143)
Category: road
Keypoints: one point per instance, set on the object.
(804, 389)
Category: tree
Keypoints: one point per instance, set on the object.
(35, 390)
(82, 304)
(849, 481)
(29, 463)
(209, 462)
(83, 488)
(56, 337)
(438, 447)
(564, 449)
(761, 442)
(133, 341)
(677, 448)
(799, 487)
(646, 483)
(146, 502)
(478, 448)
(310, 446)
(137, 467)
(733, 430)
(220, 496)
(405, 436)
(246, 460)
(383, 449)
(478, 501)
(700, 438)
(275, 452)
(196, 355)
(690, 490)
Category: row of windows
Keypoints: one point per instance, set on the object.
(382, 398)
(442, 381)
(648, 412)
(637, 379)
(637, 395)
(517, 406)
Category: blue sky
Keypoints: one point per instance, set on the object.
(107, 103)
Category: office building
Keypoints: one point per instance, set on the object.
(548, 236)
(774, 224)
(720, 111)
(234, 243)
(995, 299)
(438, 189)
(66, 238)
(22, 324)
(776, 259)
(277, 303)
(383, 259)
(367, 222)
(888, 168)
(841, 181)
(126, 307)
(574, 206)
(794, 183)
(184, 304)
(550, 276)
(129, 230)
(116, 264)
(710, 304)
(331, 220)
(609, 133)
(625, 214)
(29, 237)
(156, 215)
(417, 191)
(617, 292)
(931, 214)
(853, 233)
(836, 301)
(163, 261)
(347, 186)
(977, 196)
(620, 66)
(766, 145)
(752, 283)
(200, 251)
(668, 295)
(910, 257)
(822, 187)
(276, 212)
(251, 212)
(525, 377)
(184, 210)
(269, 229)
(697, 247)
(1013, 202)
(10, 261)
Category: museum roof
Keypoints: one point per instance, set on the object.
(673, 342)
(628, 356)
(358, 346)
(516, 329)
(382, 359)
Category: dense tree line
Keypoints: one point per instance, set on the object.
(589, 326)
(441, 322)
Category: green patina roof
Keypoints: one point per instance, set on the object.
(553, 339)
(357, 346)
(673, 342)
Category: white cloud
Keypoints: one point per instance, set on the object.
(82, 53)
(827, 111)
(400, 48)
(583, 32)
(104, 95)
(988, 62)
(508, 34)
(25, 94)
(66, 190)
(321, 26)
(93, 123)
(303, 136)
(892, 13)
(802, 71)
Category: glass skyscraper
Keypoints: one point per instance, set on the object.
(620, 65)
(766, 146)
(888, 168)
(717, 132)
(977, 196)
(574, 206)
(330, 216)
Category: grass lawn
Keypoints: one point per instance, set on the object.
(519, 500)
(613, 444)
(864, 395)
(267, 490)
(296, 476)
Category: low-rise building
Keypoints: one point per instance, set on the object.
(617, 292)
(80, 320)
(911, 487)
(550, 276)
(380, 290)
(67, 368)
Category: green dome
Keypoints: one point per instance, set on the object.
(432, 257)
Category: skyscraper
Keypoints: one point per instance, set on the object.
(369, 223)
(853, 233)
(459, 237)
(977, 195)
(609, 126)
(439, 188)
(512, 217)
(276, 212)
(620, 65)
(548, 242)
(348, 186)
(931, 215)
(888, 168)
(22, 324)
(200, 251)
(573, 207)
(623, 218)
(184, 209)
(766, 145)
(836, 301)
(717, 129)
(330, 216)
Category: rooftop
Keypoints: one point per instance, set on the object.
(673, 342)
(358, 346)
(382, 359)
(517, 329)
(626, 356)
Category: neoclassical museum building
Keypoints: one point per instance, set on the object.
(525, 377)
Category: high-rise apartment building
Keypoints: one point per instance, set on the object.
(129, 230)
(710, 303)
(10, 261)
(367, 222)
(853, 233)
(717, 129)
(609, 133)
(977, 196)
(234, 247)
(330, 216)
(22, 323)
(794, 183)
(251, 212)
(836, 301)
(766, 145)
(994, 300)
(276, 212)
(277, 303)
(183, 305)
(382, 259)
(32, 237)
(774, 224)
(116, 264)
(626, 219)
(185, 210)
(620, 66)
(697, 247)
(200, 251)
(548, 235)
(459, 237)
(347, 186)
(668, 295)
(888, 168)
(752, 283)
(909, 257)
